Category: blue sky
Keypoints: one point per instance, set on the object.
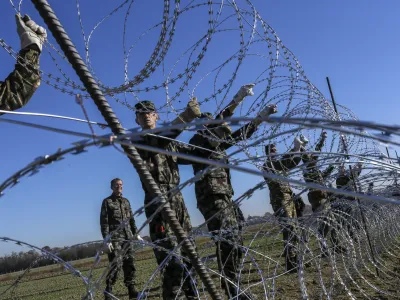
(353, 42)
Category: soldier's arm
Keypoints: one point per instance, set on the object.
(105, 229)
(287, 162)
(132, 221)
(229, 110)
(189, 150)
(18, 88)
(242, 133)
(328, 171)
(321, 142)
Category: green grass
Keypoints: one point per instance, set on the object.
(52, 282)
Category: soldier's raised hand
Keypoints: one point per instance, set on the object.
(270, 109)
(192, 110)
(297, 144)
(110, 247)
(139, 238)
(245, 90)
(303, 139)
(29, 32)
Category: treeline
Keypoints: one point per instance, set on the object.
(20, 261)
(15, 262)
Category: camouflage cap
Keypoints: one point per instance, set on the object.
(145, 106)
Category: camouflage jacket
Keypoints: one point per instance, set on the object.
(313, 174)
(114, 210)
(216, 181)
(346, 182)
(19, 86)
(278, 188)
(164, 168)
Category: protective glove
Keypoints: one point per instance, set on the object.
(297, 144)
(108, 248)
(139, 238)
(29, 32)
(245, 90)
(270, 109)
(191, 112)
(303, 139)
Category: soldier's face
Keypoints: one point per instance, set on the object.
(147, 120)
(117, 187)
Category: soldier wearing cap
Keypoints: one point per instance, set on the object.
(17, 89)
(283, 199)
(114, 210)
(214, 190)
(165, 171)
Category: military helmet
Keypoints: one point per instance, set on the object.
(145, 106)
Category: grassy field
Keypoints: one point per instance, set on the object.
(263, 274)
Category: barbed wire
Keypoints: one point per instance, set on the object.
(366, 265)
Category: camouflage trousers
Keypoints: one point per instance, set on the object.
(225, 226)
(326, 220)
(285, 208)
(175, 273)
(122, 256)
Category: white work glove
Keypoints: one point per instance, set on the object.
(270, 109)
(29, 32)
(245, 90)
(303, 139)
(191, 112)
(297, 144)
(109, 248)
(139, 238)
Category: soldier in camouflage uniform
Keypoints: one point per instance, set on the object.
(318, 198)
(283, 200)
(312, 174)
(114, 210)
(17, 89)
(165, 171)
(348, 182)
(214, 190)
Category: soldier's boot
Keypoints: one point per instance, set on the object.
(132, 292)
(108, 290)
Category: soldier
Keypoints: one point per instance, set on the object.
(165, 171)
(18, 88)
(283, 200)
(317, 198)
(114, 210)
(214, 190)
(347, 180)
(312, 174)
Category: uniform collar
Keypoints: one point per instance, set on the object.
(116, 197)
